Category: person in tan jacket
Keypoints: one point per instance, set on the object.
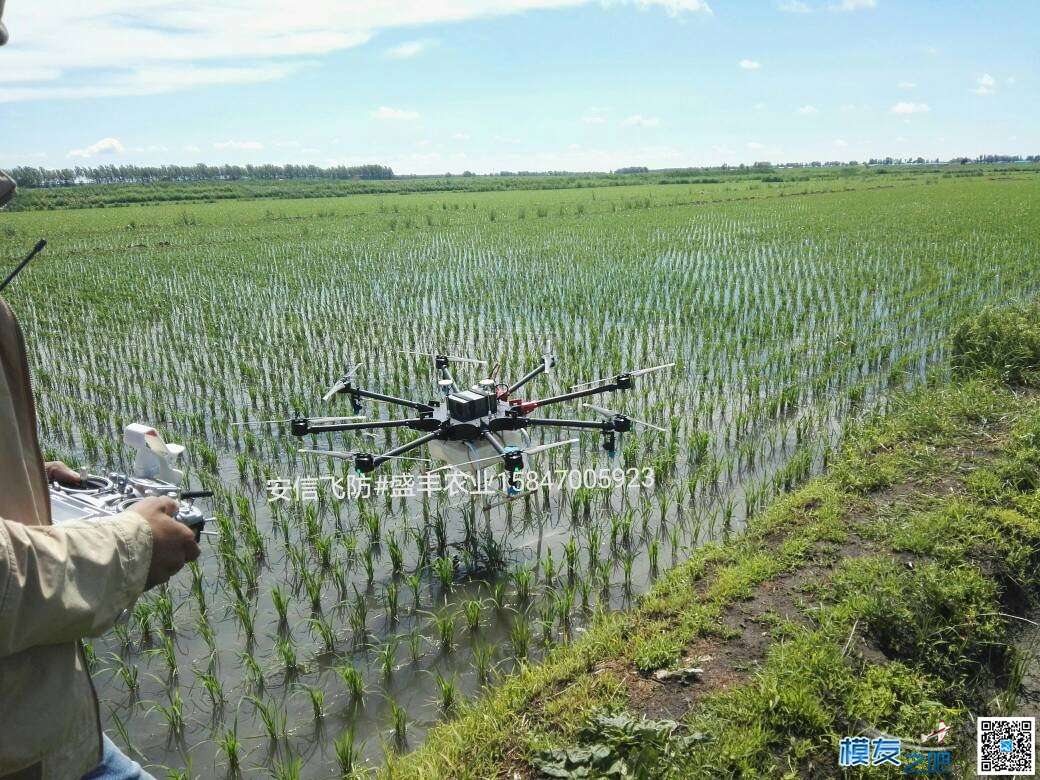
(58, 585)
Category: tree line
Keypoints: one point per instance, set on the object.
(28, 176)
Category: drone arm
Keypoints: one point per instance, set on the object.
(379, 460)
(621, 383)
(418, 406)
(527, 378)
(360, 426)
(494, 441)
(592, 425)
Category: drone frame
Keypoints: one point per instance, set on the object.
(513, 419)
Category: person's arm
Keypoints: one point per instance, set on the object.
(59, 584)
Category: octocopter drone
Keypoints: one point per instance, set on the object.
(473, 429)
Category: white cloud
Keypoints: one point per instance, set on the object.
(749, 65)
(638, 120)
(984, 85)
(148, 47)
(795, 7)
(905, 107)
(853, 5)
(192, 149)
(102, 147)
(840, 143)
(153, 81)
(755, 146)
(410, 49)
(238, 146)
(808, 110)
(907, 85)
(460, 136)
(1011, 79)
(594, 116)
(394, 114)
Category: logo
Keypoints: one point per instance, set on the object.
(888, 751)
(939, 733)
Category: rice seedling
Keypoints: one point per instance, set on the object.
(213, 687)
(786, 324)
(271, 716)
(354, 683)
(388, 658)
(399, 719)
(289, 768)
(317, 699)
(231, 746)
(323, 629)
(482, 655)
(471, 611)
(520, 636)
(447, 693)
(347, 753)
(445, 624)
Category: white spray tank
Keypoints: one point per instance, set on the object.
(156, 458)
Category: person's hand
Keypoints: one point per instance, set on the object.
(173, 543)
(59, 472)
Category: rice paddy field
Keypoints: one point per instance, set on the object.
(315, 636)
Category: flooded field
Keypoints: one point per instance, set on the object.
(318, 632)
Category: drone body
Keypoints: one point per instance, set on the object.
(475, 428)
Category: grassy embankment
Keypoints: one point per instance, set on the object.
(880, 597)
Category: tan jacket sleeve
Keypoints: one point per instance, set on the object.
(59, 584)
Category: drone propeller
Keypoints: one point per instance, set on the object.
(548, 359)
(315, 420)
(494, 458)
(340, 383)
(451, 358)
(635, 373)
(340, 455)
(610, 414)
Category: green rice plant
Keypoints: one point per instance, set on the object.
(444, 568)
(281, 604)
(388, 658)
(323, 629)
(522, 585)
(445, 624)
(173, 712)
(391, 592)
(471, 610)
(213, 687)
(317, 699)
(231, 746)
(359, 617)
(415, 583)
(415, 645)
(271, 715)
(520, 636)
(288, 658)
(289, 768)
(399, 719)
(254, 672)
(347, 753)
(127, 673)
(498, 596)
(354, 683)
(482, 655)
(447, 693)
(143, 613)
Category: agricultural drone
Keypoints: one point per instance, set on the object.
(473, 429)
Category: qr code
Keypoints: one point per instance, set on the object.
(1007, 746)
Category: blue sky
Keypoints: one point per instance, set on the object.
(429, 86)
